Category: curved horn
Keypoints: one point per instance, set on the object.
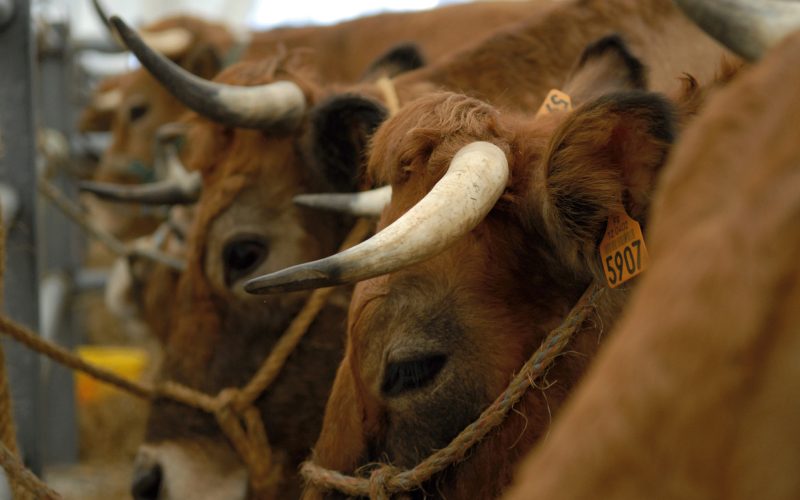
(102, 14)
(279, 104)
(476, 178)
(364, 204)
(747, 28)
(181, 187)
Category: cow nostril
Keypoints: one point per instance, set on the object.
(146, 483)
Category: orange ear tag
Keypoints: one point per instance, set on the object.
(622, 251)
(555, 101)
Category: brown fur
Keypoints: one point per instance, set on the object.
(220, 335)
(515, 68)
(488, 300)
(340, 53)
(240, 169)
(130, 155)
(343, 51)
(694, 396)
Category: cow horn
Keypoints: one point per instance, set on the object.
(279, 104)
(363, 204)
(181, 187)
(102, 14)
(473, 183)
(747, 28)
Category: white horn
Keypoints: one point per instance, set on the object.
(473, 183)
(363, 204)
(746, 27)
(173, 42)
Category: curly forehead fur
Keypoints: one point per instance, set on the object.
(444, 120)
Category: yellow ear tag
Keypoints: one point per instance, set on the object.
(555, 101)
(622, 250)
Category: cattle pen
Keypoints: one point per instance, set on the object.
(447, 249)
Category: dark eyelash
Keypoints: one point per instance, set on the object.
(409, 375)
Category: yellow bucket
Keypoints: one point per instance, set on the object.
(128, 362)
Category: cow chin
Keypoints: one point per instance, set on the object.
(174, 470)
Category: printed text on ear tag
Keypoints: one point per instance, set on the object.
(622, 251)
(555, 101)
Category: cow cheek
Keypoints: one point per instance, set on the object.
(342, 441)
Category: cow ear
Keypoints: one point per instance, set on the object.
(604, 157)
(399, 59)
(337, 138)
(202, 60)
(605, 66)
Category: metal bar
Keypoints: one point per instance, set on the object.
(60, 245)
(17, 169)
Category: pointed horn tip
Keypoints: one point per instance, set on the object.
(290, 280)
(89, 187)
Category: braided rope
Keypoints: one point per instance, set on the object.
(32, 486)
(116, 247)
(386, 480)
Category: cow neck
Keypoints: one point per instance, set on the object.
(386, 480)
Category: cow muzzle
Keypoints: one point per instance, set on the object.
(173, 471)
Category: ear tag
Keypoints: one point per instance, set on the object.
(555, 101)
(622, 251)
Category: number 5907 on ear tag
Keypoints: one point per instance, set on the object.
(622, 251)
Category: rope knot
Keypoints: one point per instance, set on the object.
(379, 482)
(225, 402)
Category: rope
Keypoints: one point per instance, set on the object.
(297, 329)
(116, 246)
(386, 86)
(386, 480)
(18, 474)
(8, 431)
(233, 408)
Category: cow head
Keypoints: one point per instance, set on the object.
(254, 158)
(134, 105)
(435, 337)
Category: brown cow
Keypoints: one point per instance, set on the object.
(498, 70)
(695, 395)
(245, 224)
(458, 306)
(336, 116)
(134, 105)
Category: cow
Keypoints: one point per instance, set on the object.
(693, 397)
(498, 70)
(244, 223)
(328, 138)
(132, 106)
(466, 277)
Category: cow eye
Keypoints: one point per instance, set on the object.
(137, 111)
(242, 256)
(403, 376)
